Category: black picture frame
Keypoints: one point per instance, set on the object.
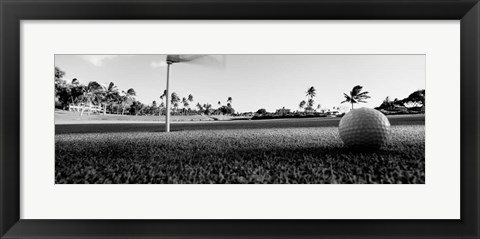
(13, 11)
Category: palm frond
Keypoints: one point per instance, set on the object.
(311, 92)
(131, 92)
(347, 98)
(363, 97)
(356, 90)
(112, 87)
(363, 93)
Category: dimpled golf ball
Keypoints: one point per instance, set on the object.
(364, 128)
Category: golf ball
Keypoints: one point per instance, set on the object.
(364, 128)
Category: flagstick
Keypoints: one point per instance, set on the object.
(167, 115)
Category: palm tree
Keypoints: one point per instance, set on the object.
(128, 96)
(75, 81)
(356, 96)
(174, 99)
(189, 100)
(76, 91)
(208, 108)
(131, 92)
(199, 107)
(175, 105)
(310, 104)
(163, 95)
(161, 107)
(311, 92)
(229, 102)
(302, 104)
(163, 102)
(93, 93)
(110, 95)
(153, 108)
(185, 105)
(219, 105)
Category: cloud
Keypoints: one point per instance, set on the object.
(97, 60)
(157, 64)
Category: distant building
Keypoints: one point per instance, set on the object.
(282, 111)
(333, 113)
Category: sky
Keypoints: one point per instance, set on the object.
(255, 81)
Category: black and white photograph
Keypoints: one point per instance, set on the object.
(239, 119)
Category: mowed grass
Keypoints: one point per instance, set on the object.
(298, 155)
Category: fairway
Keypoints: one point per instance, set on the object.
(128, 126)
(263, 151)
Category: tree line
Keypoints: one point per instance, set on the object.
(415, 100)
(354, 97)
(115, 101)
